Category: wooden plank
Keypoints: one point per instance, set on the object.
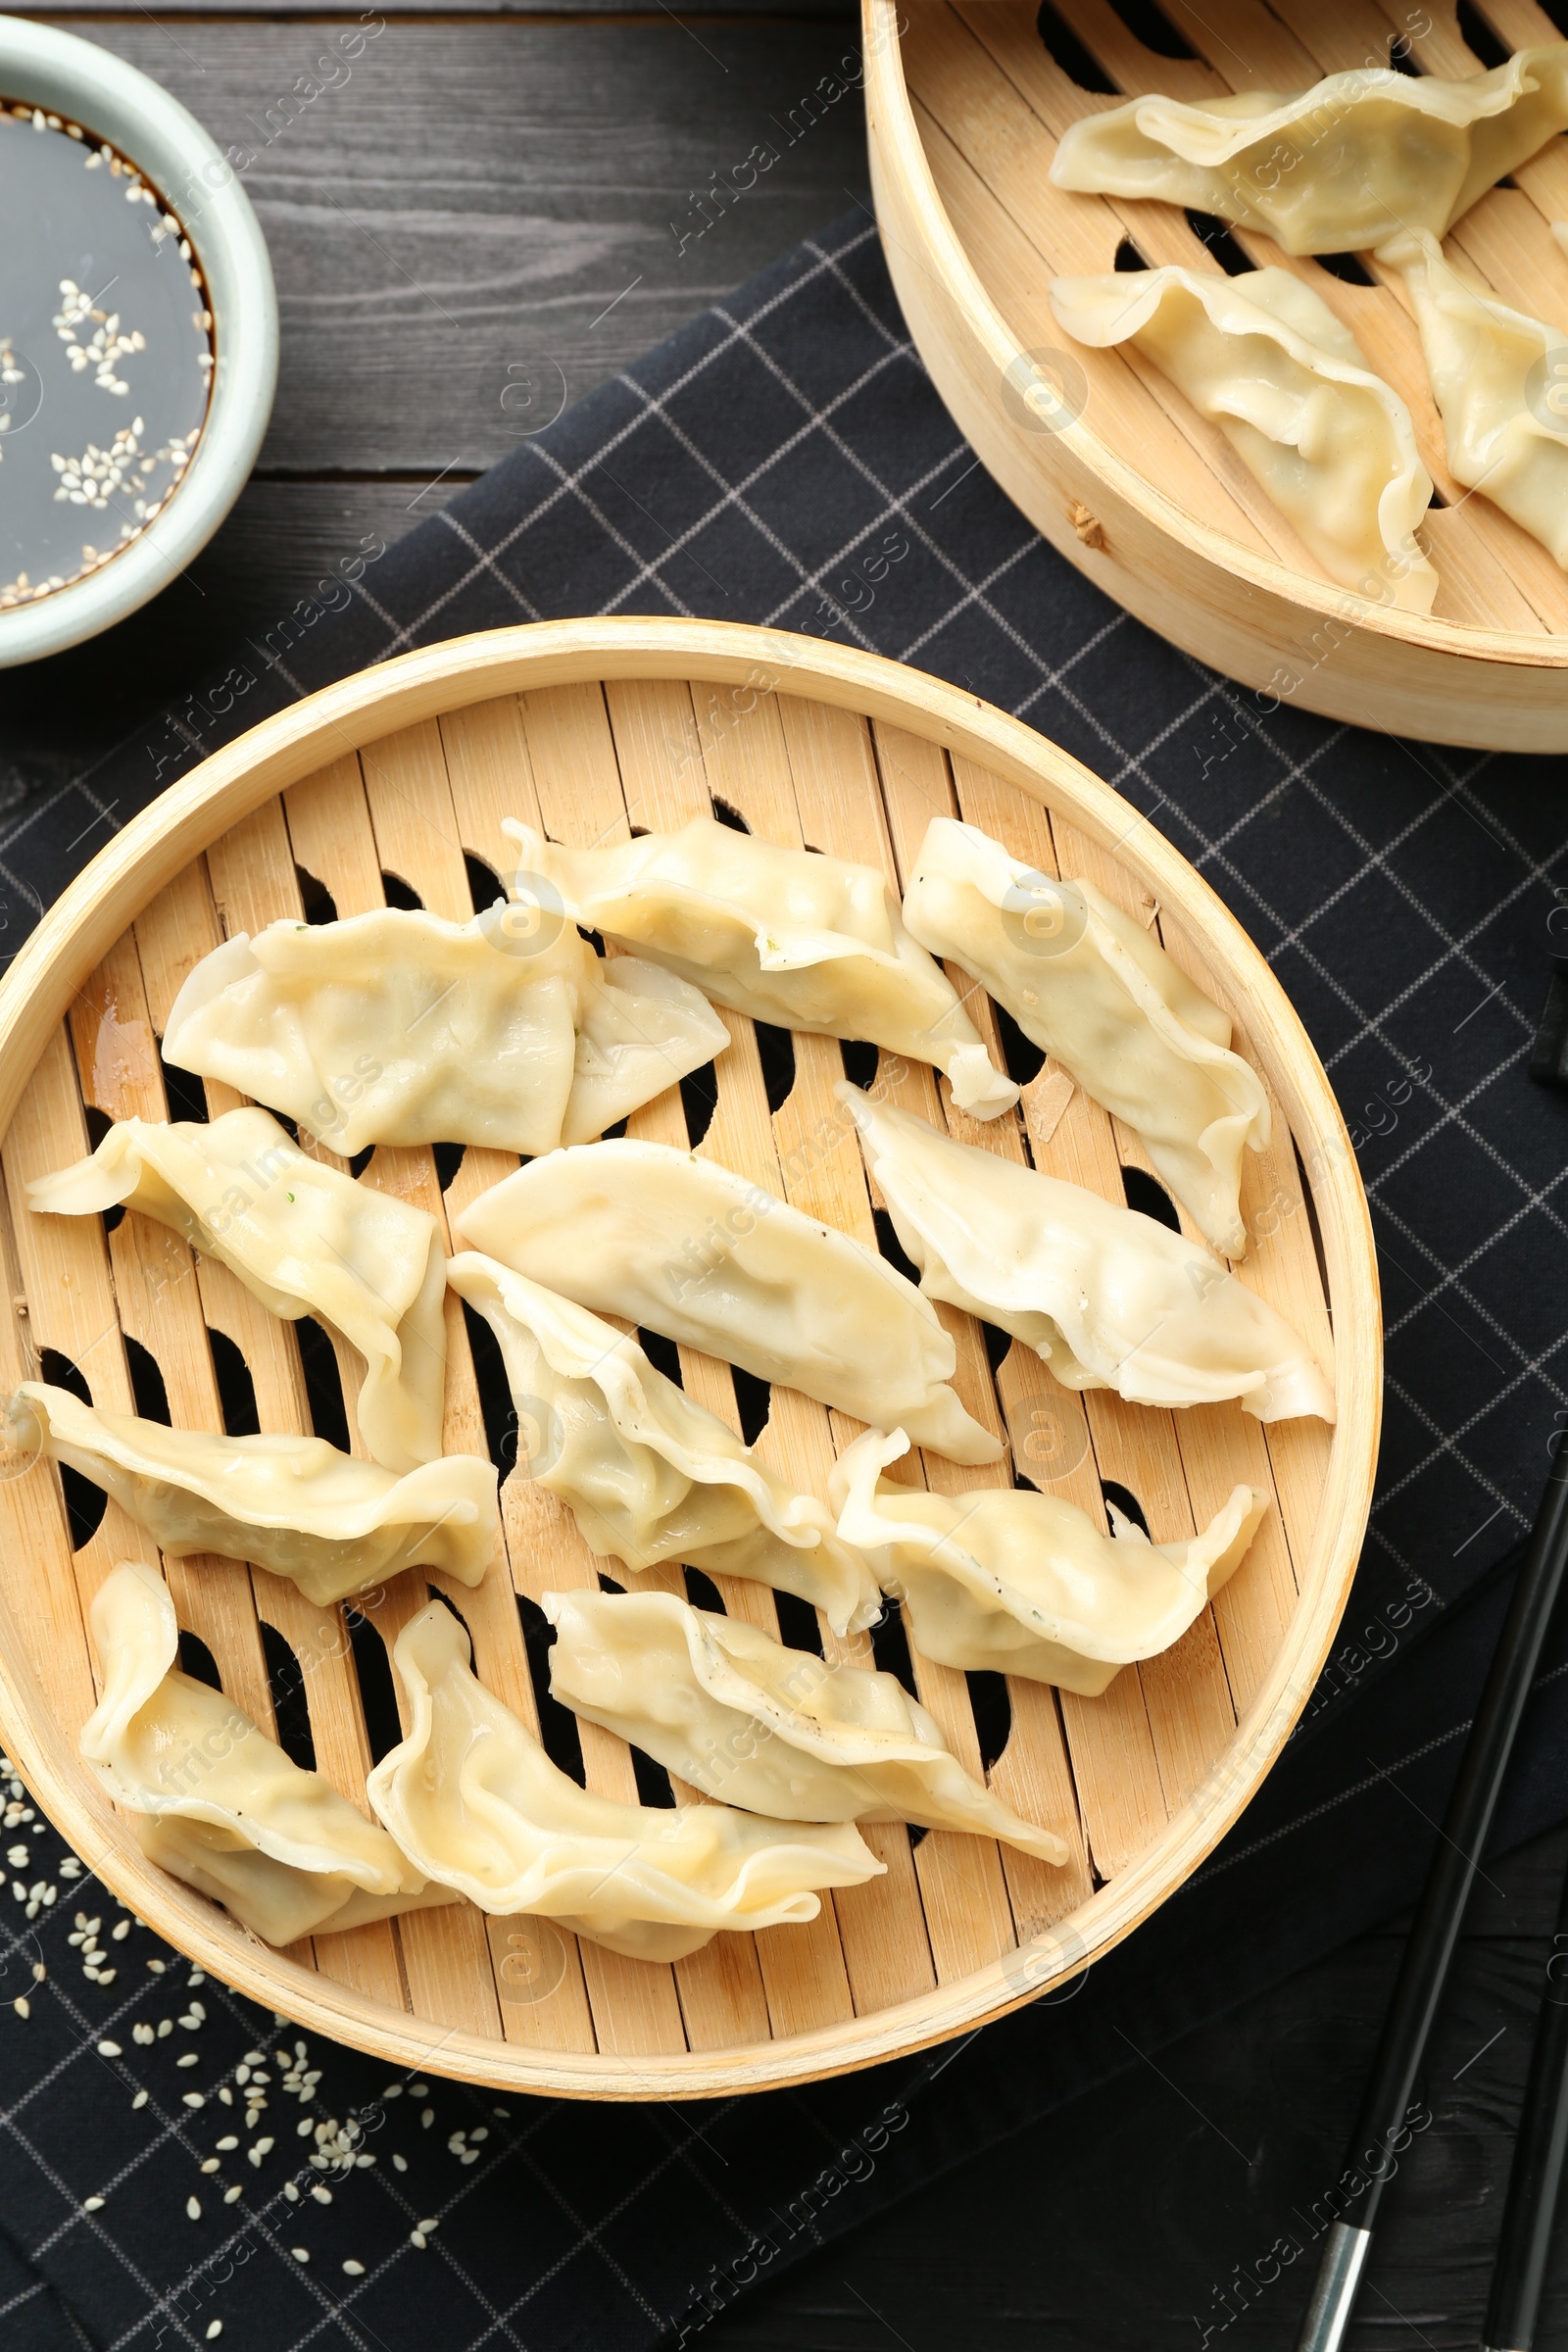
(37, 1573)
(416, 825)
(155, 1296)
(330, 838)
(490, 777)
(518, 117)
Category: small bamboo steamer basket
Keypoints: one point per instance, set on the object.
(965, 103)
(589, 727)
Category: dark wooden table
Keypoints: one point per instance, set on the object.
(487, 201)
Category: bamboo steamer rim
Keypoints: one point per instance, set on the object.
(157, 844)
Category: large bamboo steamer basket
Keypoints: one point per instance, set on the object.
(965, 102)
(589, 727)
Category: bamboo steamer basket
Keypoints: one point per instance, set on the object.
(588, 728)
(965, 102)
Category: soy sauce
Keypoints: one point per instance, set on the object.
(106, 354)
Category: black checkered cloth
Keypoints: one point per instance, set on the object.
(750, 470)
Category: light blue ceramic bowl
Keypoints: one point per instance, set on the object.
(87, 85)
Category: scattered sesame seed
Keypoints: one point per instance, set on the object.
(193, 2209)
(93, 2204)
(158, 1966)
(110, 2049)
(427, 2118)
(140, 2100)
(121, 1930)
(355, 2270)
(209, 2164)
(393, 2090)
(291, 2192)
(416, 2237)
(192, 2098)
(429, 2225)
(322, 2196)
(215, 2330)
(304, 2128)
(39, 1971)
(401, 2163)
(165, 2026)
(227, 2142)
(230, 2194)
(191, 2058)
(22, 2006)
(300, 2253)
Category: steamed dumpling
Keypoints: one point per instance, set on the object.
(1336, 169)
(1109, 1299)
(472, 1796)
(1266, 359)
(306, 1238)
(1026, 1583)
(648, 1474)
(218, 1804)
(802, 941)
(398, 1027)
(774, 1730)
(295, 1505)
(1497, 377)
(677, 1245)
(1103, 997)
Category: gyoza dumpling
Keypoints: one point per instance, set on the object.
(398, 1027)
(1109, 1299)
(1026, 1583)
(1266, 359)
(1335, 169)
(1494, 373)
(677, 1245)
(218, 1804)
(472, 1796)
(774, 1730)
(330, 1524)
(648, 1474)
(306, 1238)
(802, 941)
(1103, 997)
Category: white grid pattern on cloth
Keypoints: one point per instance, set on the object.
(265, 2223)
(1061, 686)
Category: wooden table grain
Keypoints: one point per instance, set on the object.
(474, 217)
